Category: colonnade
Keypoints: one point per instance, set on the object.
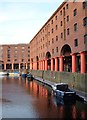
(57, 63)
(12, 66)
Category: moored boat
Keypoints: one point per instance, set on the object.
(62, 91)
(30, 76)
(3, 73)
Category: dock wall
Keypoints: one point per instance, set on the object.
(77, 81)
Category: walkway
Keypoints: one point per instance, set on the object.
(81, 94)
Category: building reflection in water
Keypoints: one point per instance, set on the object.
(43, 101)
(74, 112)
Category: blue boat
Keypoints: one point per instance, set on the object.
(30, 77)
(61, 90)
(24, 75)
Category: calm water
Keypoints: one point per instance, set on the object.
(23, 99)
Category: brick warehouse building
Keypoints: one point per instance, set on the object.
(15, 56)
(61, 44)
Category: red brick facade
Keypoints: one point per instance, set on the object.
(14, 56)
(61, 44)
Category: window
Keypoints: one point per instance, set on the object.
(68, 32)
(15, 47)
(56, 38)
(85, 21)
(75, 12)
(75, 27)
(74, 0)
(76, 42)
(22, 55)
(85, 39)
(8, 56)
(52, 40)
(15, 56)
(84, 4)
(61, 12)
(61, 35)
(15, 51)
(64, 11)
(22, 50)
(8, 60)
(28, 60)
(67, 6)
(22, 60)
(56, 17)
(23, 47)
(67, 18)
(52, 30)
(64, 34)
(56, 27)
(49, 42)
(43, 38)
(52, 22)
(43, 45)
(56, 49)
(52, 51)
(61, 23)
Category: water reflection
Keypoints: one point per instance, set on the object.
(31, 99)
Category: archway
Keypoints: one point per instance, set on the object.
(48, 56)
(37, 60)
(67, 59)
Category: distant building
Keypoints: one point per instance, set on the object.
(14, 57)
(61, 44)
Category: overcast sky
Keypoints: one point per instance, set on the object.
(20, 20)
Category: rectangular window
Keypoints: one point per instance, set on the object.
(15, 47)
(56, 17)
(56, 38)
(61, 12)
(15, 51)
(64, 11)
(15, 56)
(56, 27)
(52, 40)
(75, 27)
(85, 39)
(75, 12)
(84, 4)
(22, 60)
(68, 31)
(23, 47)
(52, 22)
(8, 56)
(61, 23)
(67, 18)
(76, 42)
(8, 60)
(52, 30)
(61, 35)
(85, 21)
(64, 34)
(67, 6)
(56, 49)
(49, 42)
(52, 51)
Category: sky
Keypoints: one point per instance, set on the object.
(20, 20)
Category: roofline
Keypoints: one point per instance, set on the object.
(50, 18)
